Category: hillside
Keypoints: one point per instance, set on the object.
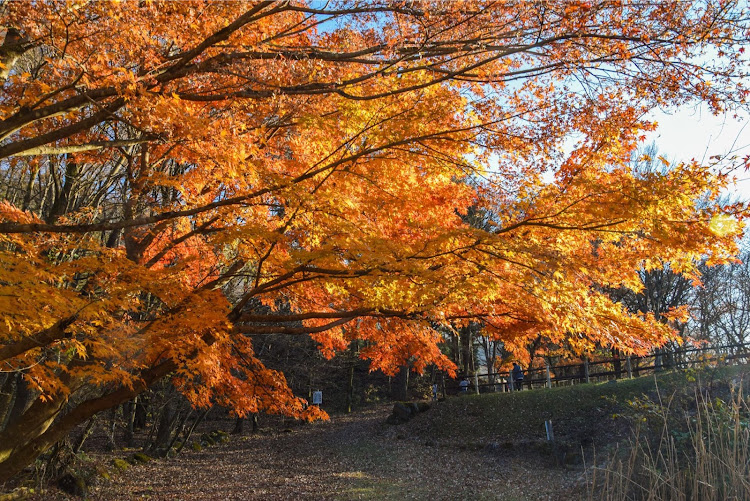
(582, 416)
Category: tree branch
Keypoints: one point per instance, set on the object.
(77, 148)
(15, 148)
(42, 338)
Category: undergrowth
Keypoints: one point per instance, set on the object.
(691, 443)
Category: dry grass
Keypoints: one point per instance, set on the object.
(704, 456)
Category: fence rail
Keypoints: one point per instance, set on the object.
(613, 368)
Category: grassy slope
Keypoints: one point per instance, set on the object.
(581, 414)
(443, 453)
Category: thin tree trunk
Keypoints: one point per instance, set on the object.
(129, 413)
(86, 434)
(192, 429)
(29, 189)
(350, 387)
(111, 442)
(178, 429)
(401, 384)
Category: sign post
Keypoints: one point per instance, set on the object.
(317, 398)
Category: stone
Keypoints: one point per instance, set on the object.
(403, 412)
(73, 483)
(393, 419)
(140, 457)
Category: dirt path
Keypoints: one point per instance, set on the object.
(351, 457)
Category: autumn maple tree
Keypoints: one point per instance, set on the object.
(180, 177)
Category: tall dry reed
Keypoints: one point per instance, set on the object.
(692, 453)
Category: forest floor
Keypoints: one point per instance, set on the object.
(355, 456)
(489, 446)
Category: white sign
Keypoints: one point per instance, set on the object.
(317, 397)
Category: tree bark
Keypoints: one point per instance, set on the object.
(401, 384)
(60, 205)
(129, 413)
(86, 434)
(169, 417)
(19, 447)
(6, 398)
(14, 46)
(21, 397)
(239, 426)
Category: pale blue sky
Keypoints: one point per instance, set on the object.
(694, 133)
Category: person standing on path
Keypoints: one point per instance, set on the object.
(463, 386)
(517, 375)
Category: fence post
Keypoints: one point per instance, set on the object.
(658, 367)
(630, 367)
(476, 382)
(586, 369)
(549, 380)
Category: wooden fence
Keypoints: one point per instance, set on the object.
(601, 370)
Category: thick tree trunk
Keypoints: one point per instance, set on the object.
(21, 397)
(141, 411)
(62, 200)
(167, 420)
(21, 443)
(28, 426)
(239, 426)
(6, 398)
(616, 363)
